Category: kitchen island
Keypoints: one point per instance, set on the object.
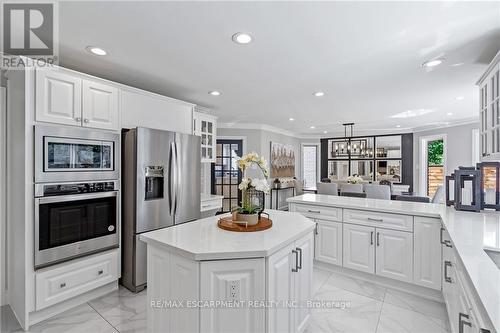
(428, 249)
(205, 279)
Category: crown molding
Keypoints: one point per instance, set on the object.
(381, 131)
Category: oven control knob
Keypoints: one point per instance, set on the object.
(111, 228)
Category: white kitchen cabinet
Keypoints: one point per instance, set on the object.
(427, 252)
(143, 109)
(58, 95)
(205, 126)
(100, 105)
(359, 247)
(290, 280)
(280, 284)
(328, 242)
(63, 97)
(232, 280)
(394, 254)
(489, 110)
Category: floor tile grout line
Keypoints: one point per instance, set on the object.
(100, 315)
(379, 315)
(420, 312)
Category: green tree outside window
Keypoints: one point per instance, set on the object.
(435, 153)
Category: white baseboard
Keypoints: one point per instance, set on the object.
(431, 294)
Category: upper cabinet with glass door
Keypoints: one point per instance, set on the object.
(205, 126)
(489, 111)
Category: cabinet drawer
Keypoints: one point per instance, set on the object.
(320, 212)
(380, 220)
(67, 280)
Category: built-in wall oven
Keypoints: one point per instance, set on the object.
(77, 194)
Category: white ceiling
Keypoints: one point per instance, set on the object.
(365, 56)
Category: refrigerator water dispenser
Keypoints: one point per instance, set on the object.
(154, 182)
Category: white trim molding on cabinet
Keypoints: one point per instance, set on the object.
(3, 206)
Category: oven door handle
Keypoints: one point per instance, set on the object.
(76, 197)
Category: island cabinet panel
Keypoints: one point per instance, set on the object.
(328, 242)
(171, 279)
(280, 289)
(233, 280)
(394, 254)
(427, 252)
(359, 248)
(289, 283)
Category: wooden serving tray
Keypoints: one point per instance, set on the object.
(227, 223)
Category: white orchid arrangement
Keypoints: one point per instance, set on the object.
(354, 180)
(259, 184)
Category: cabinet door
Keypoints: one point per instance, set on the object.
(141, 108)
(207, 129)
(233, 280)
(280, 288)
(303, 281)
(100, 105)
(58, 97)
(427, 252)
(359, 247)
(328, 242)
(394, 254)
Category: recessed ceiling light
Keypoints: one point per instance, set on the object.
(398, 126)
(412, 113)
(291, 119)
(312, 127)
(325, 132)
(96, 50)
(319, 94)
(449, 114)
(460, 98)
(433, 62)
(242, 38)
(214, 93)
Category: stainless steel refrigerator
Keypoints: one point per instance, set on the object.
(161, 174)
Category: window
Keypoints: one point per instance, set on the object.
(310, 165)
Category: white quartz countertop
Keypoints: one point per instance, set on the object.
(204, 240)
(470, 233)
(207, 197)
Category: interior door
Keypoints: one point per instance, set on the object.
(188, 178)
(394, 254)
(359, 247)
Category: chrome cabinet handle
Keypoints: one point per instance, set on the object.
(378, 238)
(314, 211)
(375, 220)
(62, 285)
(462, 322)
(86, 121)
(484, 330)
(78, 119)
(446, 277)
(444, 242)
(296, 269)
(300, 262)
(316, 229)
(99, 272)
(371, 238)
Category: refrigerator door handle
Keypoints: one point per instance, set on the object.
(177, 177)
(171, 179)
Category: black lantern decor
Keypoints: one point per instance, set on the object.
(467, 189)
(490, 184)
(450, 190)
(255, 198)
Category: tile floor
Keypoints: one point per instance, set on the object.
(369, 308)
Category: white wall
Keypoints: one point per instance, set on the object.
(458, 148)
(3, 228)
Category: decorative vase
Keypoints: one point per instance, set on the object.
(250, 219)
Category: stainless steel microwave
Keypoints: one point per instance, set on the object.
(64, 154)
